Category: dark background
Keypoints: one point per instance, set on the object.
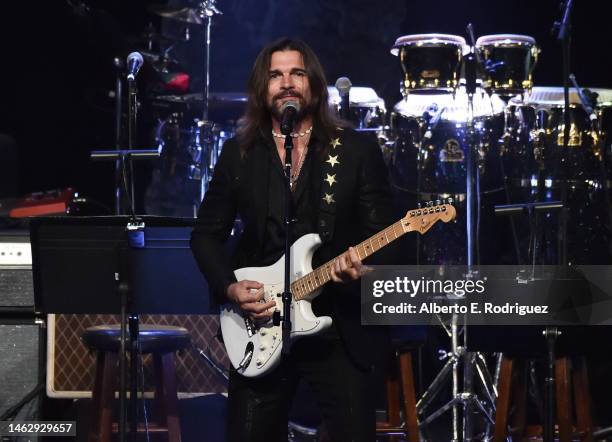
(56, 68)
(57, 62)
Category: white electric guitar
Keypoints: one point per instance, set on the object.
(254, 348)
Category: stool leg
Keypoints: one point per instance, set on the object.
(102, 397)
(166, 394)
(393, 405)
(519, 393)
(564, 400)
(582, 397)
(503, 400)
(410, 414)
(393, 402)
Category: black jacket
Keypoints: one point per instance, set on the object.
(363, 206)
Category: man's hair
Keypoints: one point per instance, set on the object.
(257, 113)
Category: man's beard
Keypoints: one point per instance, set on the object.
(275, 107)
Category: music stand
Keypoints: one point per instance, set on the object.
(117, 265)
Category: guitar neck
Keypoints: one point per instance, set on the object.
(320, 276)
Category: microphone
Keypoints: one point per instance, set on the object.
(343, 84)
(289, 111)
(134, 63)
(582, 95)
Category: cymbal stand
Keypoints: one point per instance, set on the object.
(206, 11)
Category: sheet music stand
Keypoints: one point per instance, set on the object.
(97, 265)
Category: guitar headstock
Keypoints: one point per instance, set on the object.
(423, 218)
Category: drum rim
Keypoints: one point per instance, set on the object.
(375, 102)
(504, 39)
(430, 40)
(402, 107)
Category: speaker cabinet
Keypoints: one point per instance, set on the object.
(21, 358)
(71, 366)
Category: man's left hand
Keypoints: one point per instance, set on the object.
(347, 267)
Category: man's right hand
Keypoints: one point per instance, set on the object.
(249, 295)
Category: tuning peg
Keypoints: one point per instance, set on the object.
(449, 201)
(429, 203)
(419, 205)
(437, 202)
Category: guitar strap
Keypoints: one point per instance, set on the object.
(327, 208)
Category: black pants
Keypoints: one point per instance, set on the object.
(259, 407)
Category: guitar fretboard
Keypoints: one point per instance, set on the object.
(307, 284)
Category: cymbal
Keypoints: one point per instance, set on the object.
(186, 15)
(222, 105)
(214, 97)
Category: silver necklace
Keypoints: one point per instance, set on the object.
(298, 169)
(293, 134)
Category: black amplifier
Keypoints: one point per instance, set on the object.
(16, 286)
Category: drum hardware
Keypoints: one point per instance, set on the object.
(202, 152)
(195, 169)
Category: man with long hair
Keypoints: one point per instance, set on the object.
(340, 190)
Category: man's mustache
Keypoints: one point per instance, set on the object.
(286, 94)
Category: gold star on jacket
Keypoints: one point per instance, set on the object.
(333, 160)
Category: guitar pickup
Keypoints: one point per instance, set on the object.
(250, 326)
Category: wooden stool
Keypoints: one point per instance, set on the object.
(160, 341)
(517, 388)
(400, 394)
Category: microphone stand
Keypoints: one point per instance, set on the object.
(289, 220)
(551, 333)
(118, 63)
(132, 318)
(472, 178)
(345, 106)
(134, 237)
(564, 36)
(132, 121)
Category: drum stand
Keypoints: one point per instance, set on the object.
(466, 398)
(459, 358)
